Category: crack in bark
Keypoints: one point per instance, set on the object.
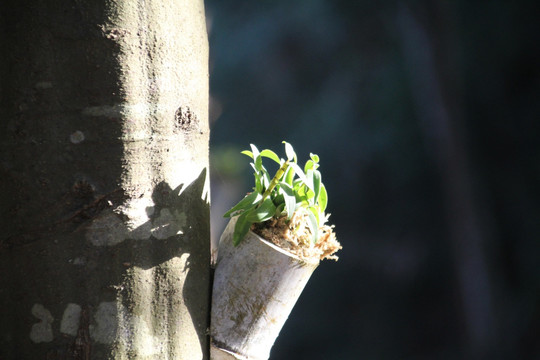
(81, 347)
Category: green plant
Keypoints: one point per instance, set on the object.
(291, 189)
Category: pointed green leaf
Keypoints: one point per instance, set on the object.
(291, 155)
(289, 198)
(257, 159)
(298, 171)
(302, 193)
(241, 228)
(278, 199)
(248, 153)
(316, 184)
(258, 162)
(248, 201)
(258, 179)
(259, 183)
(265, 178)
(309, 165)
(263, 212)
(271, 155)
(323, 198)
(309, 179)
(254, 150)
(314, 157)
(289, 175)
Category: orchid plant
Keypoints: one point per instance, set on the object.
(290, 189)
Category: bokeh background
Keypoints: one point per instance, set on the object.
(425, 115)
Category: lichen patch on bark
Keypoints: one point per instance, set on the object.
(104, 330)
(41, 331)
(70, 319)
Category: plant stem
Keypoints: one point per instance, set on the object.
(275, 180)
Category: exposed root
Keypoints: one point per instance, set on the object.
(295, 236)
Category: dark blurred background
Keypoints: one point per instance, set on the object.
(425, 115)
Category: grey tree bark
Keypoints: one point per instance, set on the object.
(104, 251)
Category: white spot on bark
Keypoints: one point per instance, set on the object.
(104, 330)
(106, 230)
(41, 331)
(79, 261)
(77, 137)
(70, 320)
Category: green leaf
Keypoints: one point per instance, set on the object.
(309, 165)
(290, 199)
(254, 150)
(265, 178)
(258, 162)
(311, 196)
(289, 175)
(256, 157)
(279, 209)
(290, 189)
(303, 194)
(241, 228)
(298, 171)
(309, 180)
(270, 154)
(291, 155)
(261, 213)
(259, 182)
(248, 153)
(323, 198)
(278, 199)
(244, 204)
(316, 184)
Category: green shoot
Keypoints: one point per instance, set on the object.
(290, 189)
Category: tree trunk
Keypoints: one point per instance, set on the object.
(104, 191)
